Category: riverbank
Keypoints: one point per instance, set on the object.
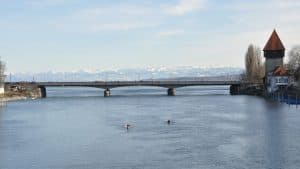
(12, 98)
(21, 91)
(290, 95)
(15, 97)
(246, 89)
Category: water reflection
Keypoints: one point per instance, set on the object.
(274, 120)
(3, 104)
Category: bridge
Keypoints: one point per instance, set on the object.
(171, 85)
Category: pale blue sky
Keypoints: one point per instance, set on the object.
(68, 35)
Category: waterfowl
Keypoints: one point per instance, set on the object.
(127, 126)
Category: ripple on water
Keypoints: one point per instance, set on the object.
(234, 127)
(236, 147)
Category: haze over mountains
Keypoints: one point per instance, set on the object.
(186, 72)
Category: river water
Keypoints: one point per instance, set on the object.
(77, 128)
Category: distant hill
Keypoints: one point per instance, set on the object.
(183, 73)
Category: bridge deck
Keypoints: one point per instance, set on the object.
(114, 84)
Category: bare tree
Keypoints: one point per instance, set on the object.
(297, 74)
(254, 64)
(2, 67)
(294, 59)
(2, 77)
(259, 68)
(249, 62)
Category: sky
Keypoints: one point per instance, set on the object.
(70, 35)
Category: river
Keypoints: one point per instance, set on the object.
(77, 128)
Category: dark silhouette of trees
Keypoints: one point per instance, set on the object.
(294, 60)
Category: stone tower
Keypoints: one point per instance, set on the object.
(273, 53)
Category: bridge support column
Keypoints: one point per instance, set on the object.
(43, 91)
(106, 93)
(235, 89)
(171, 92)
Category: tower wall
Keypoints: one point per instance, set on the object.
(272, 63)
(274, 58)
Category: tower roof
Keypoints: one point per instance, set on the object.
(274, 42)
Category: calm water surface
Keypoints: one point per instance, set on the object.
(79, 128)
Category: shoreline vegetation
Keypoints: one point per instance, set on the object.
(22, 91)
(5, 98)
(12, 96)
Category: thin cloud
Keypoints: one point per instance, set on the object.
(277, 6)
(92, 27)
(170, 33)
(46, 2)
(185, 6)
(112, 18)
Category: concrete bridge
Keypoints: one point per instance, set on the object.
(171, 85)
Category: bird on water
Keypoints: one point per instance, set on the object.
(169, 121)
(127, 126)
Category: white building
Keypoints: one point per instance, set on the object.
(275, 82)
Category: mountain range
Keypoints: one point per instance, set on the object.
(127, 74)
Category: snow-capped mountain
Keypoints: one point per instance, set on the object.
(127, 74)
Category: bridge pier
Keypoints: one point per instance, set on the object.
(171, 92)
(43, 91)
(106, 93)
(235, 89)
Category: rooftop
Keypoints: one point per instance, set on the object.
(274, 43)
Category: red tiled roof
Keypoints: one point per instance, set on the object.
(280, 71)
(274, 43)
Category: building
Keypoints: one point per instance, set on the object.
(276, 76)
(277, 79)
(273, 53)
